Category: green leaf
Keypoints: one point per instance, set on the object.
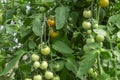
(93, 45)
(104, 77)
(62, 47)
(49, 0)
(12, 63)
(87, 62)
(106, 54)
(31, 44)
(100, 31)
(71, 65)
(37, 25)
(115, 19)
(59, 65)
(61, 16)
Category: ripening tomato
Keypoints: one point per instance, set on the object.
(104, 3)
(51, 22)
(45, 50)
(53, 33)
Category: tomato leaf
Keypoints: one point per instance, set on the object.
(37, 25)
(100, 31)
(87, 62)
(115, 19)
(49, 0)
(62, 47)
(12, 63)
(71, 65)
(104, 77)
(31, 44)
(61, 16)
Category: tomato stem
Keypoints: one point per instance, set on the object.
(99, 64)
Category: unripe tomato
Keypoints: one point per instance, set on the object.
(37, 77)
(56, 78)
(86, 25)
(44, 65)
(87, 13)
(45, 50)
(86, 48)
(36, 64)
(100, 38)
(89, 31)
(104, 3)
(53, 33)
(28, 79)
(57, 66)
(51, 22)
(95, 26)
(48, 75)
(90, 71)
(42, 9)
(90, 40)
(35, 57)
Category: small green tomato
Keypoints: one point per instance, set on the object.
(35, 57)
(45, 50)
(43, 65)
(36, 64)
(37, 77)
(48, 75)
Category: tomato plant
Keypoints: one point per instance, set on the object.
(59, 40)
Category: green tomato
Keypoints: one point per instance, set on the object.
(45, 50)
(44, 65)
(37, 77)
(90, 71)
(56, 78)
(89, 31)
(100, 38)
(86, 48)
(95, 26)
(48, 75)
(86, 25)
(87, 13)
(42, 9)
(35, 57)
(57, 66)
(90, 40)
(28, 79)
(36, 64)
